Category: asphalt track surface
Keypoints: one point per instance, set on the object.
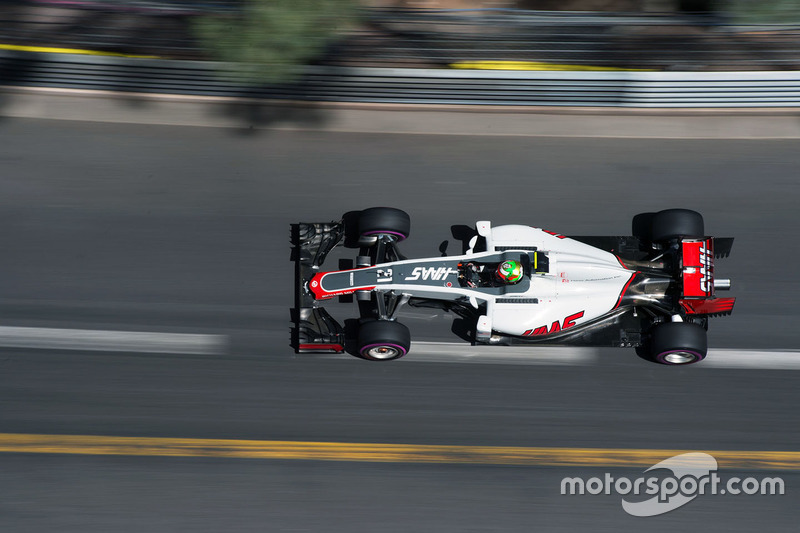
(171, 230)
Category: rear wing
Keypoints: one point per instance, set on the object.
(698, 281)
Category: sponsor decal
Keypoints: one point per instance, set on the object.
(558, 325)
(384, 275)
(698, 268)
(433, 273)
(706, 260)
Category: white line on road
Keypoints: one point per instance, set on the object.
(753, 359)
(451, 352)
(422, 352)
(111, 341)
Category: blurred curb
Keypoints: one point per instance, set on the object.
(222, 112)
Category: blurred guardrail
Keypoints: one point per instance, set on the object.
(404, 56)
(622, 40)
(425, 38)
(412, 86)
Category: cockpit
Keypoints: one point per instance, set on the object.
(497, 273)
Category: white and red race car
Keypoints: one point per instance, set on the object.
(653, 290)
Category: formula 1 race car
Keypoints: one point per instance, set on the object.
(653, 290)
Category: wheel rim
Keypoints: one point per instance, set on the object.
(383, 352)
(392, 234)
(679, 357)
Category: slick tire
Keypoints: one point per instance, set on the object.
(377, 221)
(677, 224)
(677, 343)
(642, 227)
(383, 340)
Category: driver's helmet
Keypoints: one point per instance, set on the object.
(509, 271)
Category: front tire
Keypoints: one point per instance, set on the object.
(388, 221)
(677, 343)
(383, 340)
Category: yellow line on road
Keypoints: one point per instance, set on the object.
(52, 50)
(538, 65)
(375, 452)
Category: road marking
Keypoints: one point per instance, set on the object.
(54, 50)
(453, 352)
(111, 341)
(422, 352)
(538, 65)
(377, 452)
(753, 359)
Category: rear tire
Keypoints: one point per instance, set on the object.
(677, 224)
(677, 343)
(377, 221)
(383, 340)
(642, 227)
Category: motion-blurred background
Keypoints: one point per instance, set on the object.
(260, 46)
